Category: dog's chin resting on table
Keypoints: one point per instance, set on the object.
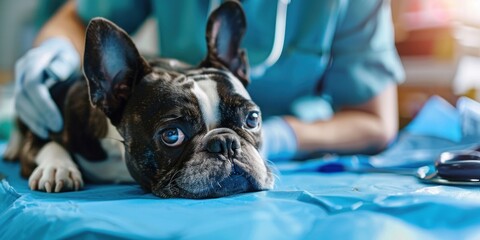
(178, 130)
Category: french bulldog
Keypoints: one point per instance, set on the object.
(177, 130)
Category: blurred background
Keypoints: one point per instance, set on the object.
(439, 44)
(438, 41)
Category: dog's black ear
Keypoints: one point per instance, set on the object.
(225, 29)
(112, 66)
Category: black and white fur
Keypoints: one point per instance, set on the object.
(178, 130)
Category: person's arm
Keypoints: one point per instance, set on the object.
(367, 128)
(362, 84)
(65, 23)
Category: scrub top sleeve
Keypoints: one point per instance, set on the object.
(364, 57)
(127, 14)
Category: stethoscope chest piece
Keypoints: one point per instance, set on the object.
(453, 168)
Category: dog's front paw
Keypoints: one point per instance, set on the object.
(56, 179)
(56, 171)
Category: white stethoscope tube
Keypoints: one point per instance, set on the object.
(278, 41)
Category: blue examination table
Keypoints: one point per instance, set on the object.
(307, 202)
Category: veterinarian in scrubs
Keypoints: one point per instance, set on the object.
(323, 72)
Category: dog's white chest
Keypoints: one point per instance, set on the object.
(113, 169)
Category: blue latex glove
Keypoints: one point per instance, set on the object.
(279, 140)
(54, 60)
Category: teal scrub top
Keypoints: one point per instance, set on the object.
(339, 52)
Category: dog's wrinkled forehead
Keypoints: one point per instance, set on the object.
(210, 87)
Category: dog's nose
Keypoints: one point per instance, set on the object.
(223, 141)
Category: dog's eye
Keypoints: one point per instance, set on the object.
(253, 119)
(172, 137)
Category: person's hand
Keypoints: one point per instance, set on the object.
(279, 140)
(54, 60)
